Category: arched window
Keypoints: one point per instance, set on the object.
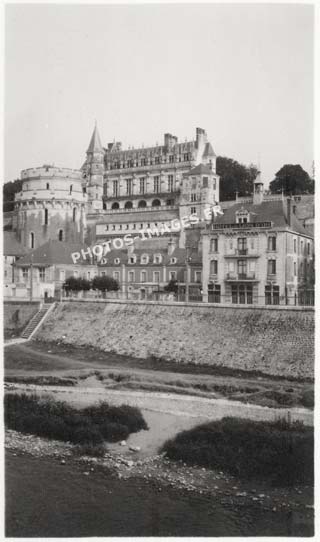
(128, 205)
(142, 204)
(156, 203)
(32, 240)
(60, 235)
(46, 217)
(104, 206)
(74, 214)
(115, 206)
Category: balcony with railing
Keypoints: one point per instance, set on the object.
(241, 277)
(243, 253)
(241, 226)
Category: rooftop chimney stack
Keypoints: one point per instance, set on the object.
(258, 190)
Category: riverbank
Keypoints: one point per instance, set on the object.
(271, 511)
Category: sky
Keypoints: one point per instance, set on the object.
(243, 72)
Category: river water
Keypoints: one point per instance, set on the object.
(47, 499)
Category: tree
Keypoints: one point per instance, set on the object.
(235, 177)
(172, 286)
(292, 179)
(75, 284)
(9, 191)
(104, 283)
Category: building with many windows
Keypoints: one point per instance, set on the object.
(258, 252)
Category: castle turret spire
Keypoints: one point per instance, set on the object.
(95, 143)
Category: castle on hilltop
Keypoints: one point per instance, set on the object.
(117, 191)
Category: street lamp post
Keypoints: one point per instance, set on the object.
(187, 273)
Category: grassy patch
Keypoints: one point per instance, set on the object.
(43, 380)
(277, 451)
(58, 420)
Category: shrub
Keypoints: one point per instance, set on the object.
(278, 451)
(58, 420)
(307, 398)
(91, 450)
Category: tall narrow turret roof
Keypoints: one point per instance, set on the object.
(95, 143)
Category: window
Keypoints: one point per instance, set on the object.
(143, 276)
(48, 186)
(156, 184)
(172, 275)
(115, 206)
(214, 245)
(186, 157)
(171, 158)
(42, 274)
(205, 182)
(295, 268)
(193, 197)
(143, 162)
(294, 245)
(271, 267)
(214, 293)
(60, 235)
(132, 259)
(128, 205)
(170, 183)
(116, 275)
(103, 274)
(156, 276)
(157, 258)
(74, 214)
(25, 273)
(62, 275)
(142, 204)
(117, 261)
(115, 188)
(157, 160)
(32, 240)
(142, 185)
(46, 217)
(242, 245)
(241, 293)
(198, 276)
(214, 267)
(144, 259)
(129, 187)
(173, 260)
(272, 295)
(308, 249)
(70, 189)
(170, 202)
(131, 276)
(193, 211)
(231, 244)
(156, 203)
(242, 268)
(252, 243)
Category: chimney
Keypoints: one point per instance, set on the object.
(171, 246)
(170, 140)
(201, 137)
(258, 190)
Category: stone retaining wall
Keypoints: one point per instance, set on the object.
(276, 342)
(16, 314)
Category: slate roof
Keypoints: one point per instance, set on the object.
(95, 143)
(200, 169)
(11, 246)
(53, 252)
(179, 254)
(267, 211)
(208, 151)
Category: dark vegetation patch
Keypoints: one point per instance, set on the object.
(58, 420)
(278, 451)
(43, 380)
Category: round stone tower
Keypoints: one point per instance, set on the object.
(51, 205)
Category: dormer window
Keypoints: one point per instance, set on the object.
(242, 216)
(144, 259)
(132, 259)
(173, 261)
(157, 258)
(117, 261)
